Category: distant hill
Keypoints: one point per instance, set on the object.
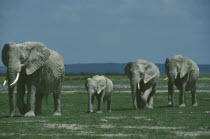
(115, 68)
(109, 68)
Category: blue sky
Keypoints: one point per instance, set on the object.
(117, 31)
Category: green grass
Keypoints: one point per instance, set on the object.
(122, 122)
(76, 122)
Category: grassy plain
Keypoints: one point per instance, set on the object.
(122, 122)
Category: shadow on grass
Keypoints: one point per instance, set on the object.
(165, 107)
(6, 116)
(122, 109)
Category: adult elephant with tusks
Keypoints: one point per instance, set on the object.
(182, 72)
(144, 77)
(33, 66)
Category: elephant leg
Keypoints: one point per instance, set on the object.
(135, 100)
(31, 100)
(145, 97)
(193, 93)
(138, 98)
(171, 94)
(109, 100)
(20, 97)
(100, 102)
(150, 99)
(182, 96)
(57, 109)
(90, 103)
(38, 108)
(133, 85)
(11, 101)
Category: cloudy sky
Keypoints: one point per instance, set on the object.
(117, 31)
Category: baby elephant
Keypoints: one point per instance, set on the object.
(101, 87)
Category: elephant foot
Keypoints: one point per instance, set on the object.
(11, 114)
(90, 111)
(170, 104)
(57, 114)
(135, 108)
(29, 114)
(182, 105)
(99, 112)
(150, 107)
(38, 113)
(195, 104)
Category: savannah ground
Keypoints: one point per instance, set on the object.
(122, 122)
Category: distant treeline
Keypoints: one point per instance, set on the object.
(108, 68)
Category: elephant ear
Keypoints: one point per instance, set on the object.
(184, 68)
(149, 73)
(101, 84)
(4, 55)
(100, 88)
(38, 55)
(127, 69)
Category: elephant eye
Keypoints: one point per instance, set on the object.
(22, 59)
(141, 74)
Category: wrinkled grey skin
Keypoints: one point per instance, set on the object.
(146, 74)
(41, 72)
(101, 87)
(183, 73)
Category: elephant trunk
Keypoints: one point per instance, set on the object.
(134, 85)
(13, 71)
(171, 89)
(11, 77)
(90, 102)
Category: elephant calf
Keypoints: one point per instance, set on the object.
(183, 73)
(101, 87)
(144, 77)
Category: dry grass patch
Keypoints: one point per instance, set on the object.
(118, 135)
(192, 134)
(153, 127)
(25, 121)
(116, 118)
(66, 126)
(106, 126)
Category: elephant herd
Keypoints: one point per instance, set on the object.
(33, 66)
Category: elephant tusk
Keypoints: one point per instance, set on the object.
(166, 78)
(99, 91)
(175, 77)
(5, 81)
(15, 81)
(138, 86)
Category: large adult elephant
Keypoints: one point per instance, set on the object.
(33, 66)
(144, 77)
(183, 73)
